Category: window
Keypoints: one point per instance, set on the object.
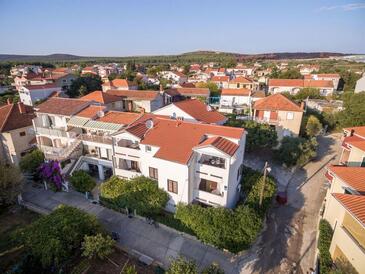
(148, 148)
(172, 186)
(153, 173)
(290, 116)
(22, 133)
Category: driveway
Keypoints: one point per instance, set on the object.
(288, 243)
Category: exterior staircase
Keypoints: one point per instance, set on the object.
(73, 150)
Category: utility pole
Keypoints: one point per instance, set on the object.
(263, 184)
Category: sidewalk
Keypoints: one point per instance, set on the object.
(136, 235)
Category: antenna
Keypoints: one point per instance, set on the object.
(209, 108)
(149, 124)
(100, 113)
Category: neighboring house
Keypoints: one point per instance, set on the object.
(360, 84)
(220, 81)
(323, 105)
(118, 84)
(16, 131)
(334, 77)
(193, 162)
(279, 111)
(139, 100)
(305, 70)
(238, 100)
(62, 80)
(90, 70)
(174, 76)
(178, 94)
(29, 78)
(293, 86)
(346, 215)
(31, 94)
(192, 110)
(242, 82)
(353, 147)
(111, 102)
(199, 77)
(241, 70)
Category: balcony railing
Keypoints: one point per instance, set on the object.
(216, 162)
(59, 153)
(266, 121)
(96, 138)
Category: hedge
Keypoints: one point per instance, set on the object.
(140, 193)
(229, 229)
(324, 243)
(82, 181)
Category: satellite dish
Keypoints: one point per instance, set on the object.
(100, 113)
(209, 108)
(149, 124)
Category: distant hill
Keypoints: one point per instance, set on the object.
(195, 56)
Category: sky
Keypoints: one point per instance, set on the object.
(152, 27)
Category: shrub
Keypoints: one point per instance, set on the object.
(313, 127)
(324, 243)
(11, 183)
(82, 181)
(53, 238)
(181, 265)
(296, 151)
(139, 193)
(129, 269)
(51, 173)
(97, 246)
(213, 269)
(31, 161)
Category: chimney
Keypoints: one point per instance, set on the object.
(352, 132)
(302, 105)
(143, 110)
(8, 101)
(21, 108)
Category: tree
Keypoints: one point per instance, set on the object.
(32, 161)
(53, 238)
(181, 265)
(311, 93)
(354, 110)
(213, 269)
(313, 127)
(11, 183)
(84, 84)
(214, 90)
(82, 181)
(130, 269)
(97, 246)
(259, 135)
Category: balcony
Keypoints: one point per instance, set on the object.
(266, 121)
(124, 173)
(60, 153)
(52, 131)
(209, 198)
(96, 138)
(212, 161)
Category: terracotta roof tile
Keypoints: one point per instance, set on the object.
(220, 143)
(355, 204)
(286, 82)
(355, 141)
(148, 95)
(238, 91)
(242, 80)
(277, 102)
(11, 118)
(200, 112)
(220, 79)
(352, 176)
(62, 106)
(359, 131)
(45, 86)
(118, 117)
(90, 111)
(101, 97)
(176, 139)
(188, 91)
(318, 84)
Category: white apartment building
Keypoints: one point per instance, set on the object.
(175, 76)
(31, 94)
(191, 161)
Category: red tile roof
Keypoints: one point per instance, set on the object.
(355, 141)
(148, 95)
(90, 111)
(242, 80)
(286, 82)
(101, 97)
(118, 117)
(220, 143)
(355, 204)
(11, 118)
(318, 84)
(199, 111)
(359, 131)
(322, 75)
(277, 102)
(352, 176)
(220, 78)
(188, 91)
(62, 106)
(239, 91)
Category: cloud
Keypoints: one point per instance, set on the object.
(347, 7)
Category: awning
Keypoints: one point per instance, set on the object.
(97, 125)
(77, 121)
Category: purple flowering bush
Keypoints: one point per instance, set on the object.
(51, 173)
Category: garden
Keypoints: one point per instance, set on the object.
(224, 228)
